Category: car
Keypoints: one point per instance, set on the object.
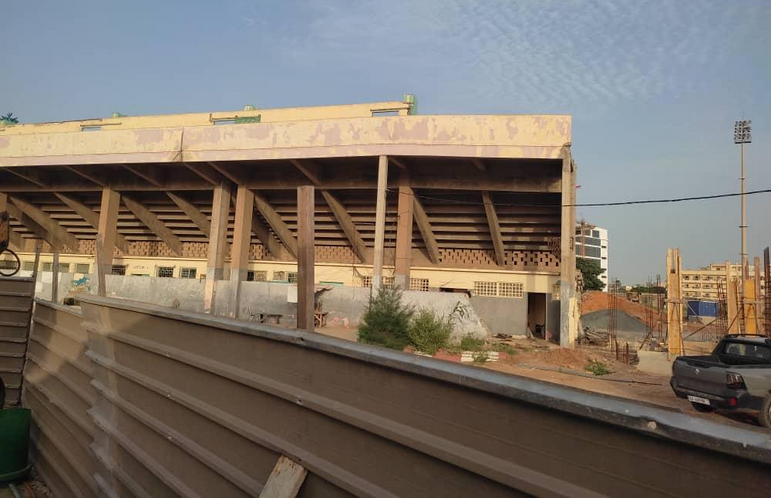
(736, 376)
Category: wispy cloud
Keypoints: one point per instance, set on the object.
(546, 50)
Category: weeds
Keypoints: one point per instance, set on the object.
(598, 368)
(502, 347)
(471, 343)
(429, 332)
(480, 357)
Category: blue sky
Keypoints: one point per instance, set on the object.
(654, 87)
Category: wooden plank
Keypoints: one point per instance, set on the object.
(285, 481)
(155, 225)
(276, 224)
(151, 174)
(406, 220)
(426, 231)
(380, 214)
(495, 229)
(346, 223)
(92, 218)
(218, 245)
(56, 231)
(242, 233)
(311, 170)
(306, 280)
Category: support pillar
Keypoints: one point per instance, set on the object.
(674, 304)
(380, 212)
(569, 312)
(732, 305)
(404, 233)
(306, 278)
(106, 234)
(242, 236)
(215, 262)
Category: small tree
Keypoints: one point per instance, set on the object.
(386, 321)
(590, 270)
(8, 119)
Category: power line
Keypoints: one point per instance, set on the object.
(594, 204)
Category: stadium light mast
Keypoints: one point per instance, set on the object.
(743, 135)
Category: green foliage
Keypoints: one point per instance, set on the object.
(590, 270)
(480, 357)
(386, 320)
(429, 332)
(8, 119)
(502, 347)
(598, 368)
(471, 343)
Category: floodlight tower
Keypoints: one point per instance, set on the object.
(743, 135)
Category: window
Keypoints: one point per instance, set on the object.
(48, 266)
(292, 277)
(118, 269)
(510, 289)
(591, 252)
(388, 282)
(279, 276)
(256, 276)
(64, 267)
(499, 289)
(595, 233)
(28, 266)
(187, 272)
(82, 268)
(419, 284)
(486, 289)
(7, 264)
(165, 271)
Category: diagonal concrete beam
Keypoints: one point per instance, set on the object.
(154, 224)
(51, 226)
(92, 218)
(271, 245)
(276, 224)
(311, 170)
(29, 174)
(421, 218)
(14, 238)
(197, 217)
(346, 223)
(150, 174)
(495, 229)
(85, 174)
(206, 172)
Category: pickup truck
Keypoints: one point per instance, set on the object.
(736, 376)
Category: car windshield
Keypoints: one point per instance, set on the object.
(748, 351)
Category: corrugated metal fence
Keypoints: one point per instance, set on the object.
(15, 307)
(159, 402)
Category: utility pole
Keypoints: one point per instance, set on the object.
(743, 135)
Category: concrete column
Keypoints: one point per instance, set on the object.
(217, 244)
(242, 236)
(106, 235)
(306, 279)
(569, 312)
(404, 232)
(380, 212)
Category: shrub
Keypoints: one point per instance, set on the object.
(502, 347)
(597, 368)
(386, 320)
(429, 332)
(480, 357)
(471, 343)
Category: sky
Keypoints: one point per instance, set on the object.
(654, 87)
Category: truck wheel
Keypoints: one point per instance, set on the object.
(764, 416)
(702, 408)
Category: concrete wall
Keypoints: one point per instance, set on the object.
(345, 304)
(507, 316)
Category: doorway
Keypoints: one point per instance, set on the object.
(536, 314)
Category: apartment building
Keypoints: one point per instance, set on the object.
(703, 283)
(592, 243)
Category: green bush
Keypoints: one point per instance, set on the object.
(471, 343)
(429, 332)
(597, 368)
(386, 320)
(502, 347)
